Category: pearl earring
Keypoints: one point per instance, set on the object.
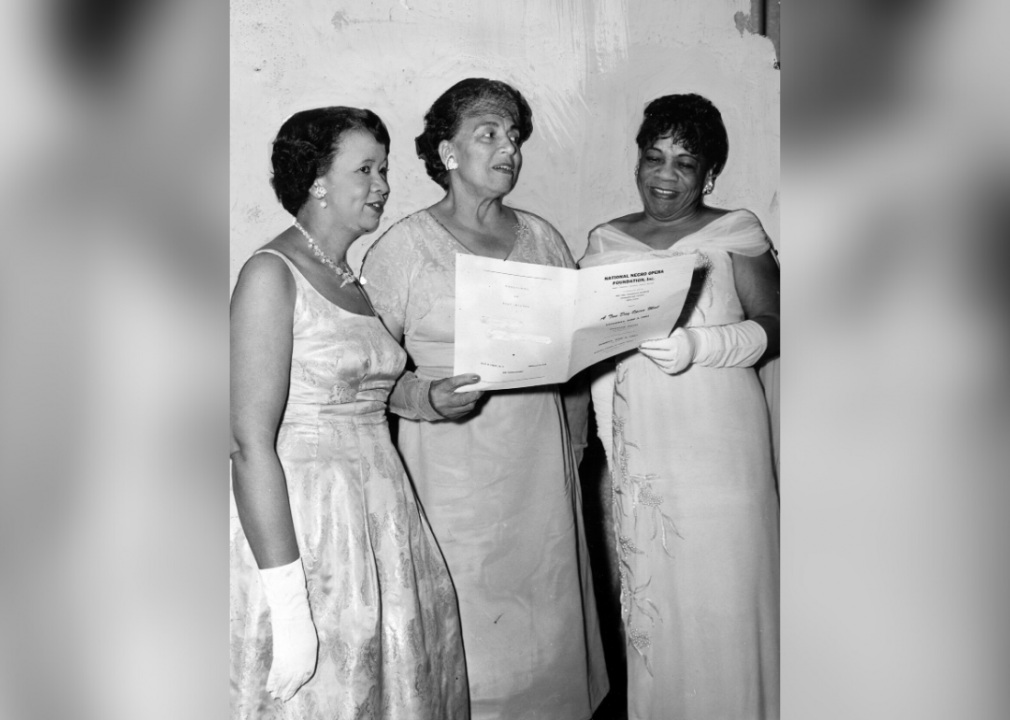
(318, 192)
(451, 163)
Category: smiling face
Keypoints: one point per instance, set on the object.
(670, 179)
(356, 186)
(487, 149)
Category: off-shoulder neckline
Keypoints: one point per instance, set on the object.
(703, 228)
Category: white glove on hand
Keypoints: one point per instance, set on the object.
(602, 390)
(672, 354)
(294, 634)
(738, 345)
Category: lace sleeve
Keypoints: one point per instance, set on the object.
(411, 398)
(387, 276)
(564, 251)
(388, 269)
(549, 247)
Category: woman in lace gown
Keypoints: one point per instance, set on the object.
(685, 423)
(494, 472)
(341, 604)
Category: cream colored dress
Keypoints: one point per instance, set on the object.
(390, 645)
(499, 487)
(696, 508)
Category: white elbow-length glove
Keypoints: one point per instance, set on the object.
(738, 345)
(602, 390)
(295, 644)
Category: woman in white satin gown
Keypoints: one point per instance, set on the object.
(685, 424)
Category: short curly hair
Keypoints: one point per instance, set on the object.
(467, 98)
(692, 121)
(306, 145)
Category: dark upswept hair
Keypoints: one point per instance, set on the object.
(306, 145)
(467, 98)
(692, 121)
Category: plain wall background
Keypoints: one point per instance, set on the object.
(587, 68)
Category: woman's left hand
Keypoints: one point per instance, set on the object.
(672, 354)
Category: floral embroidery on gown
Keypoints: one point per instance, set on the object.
(696, 507)
(500, 490)
(390, 644)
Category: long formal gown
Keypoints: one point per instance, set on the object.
(499, 487)
(696, 508)
(390, 643)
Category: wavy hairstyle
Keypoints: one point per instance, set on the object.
(306, 145)
(692, 121)
(468, 98)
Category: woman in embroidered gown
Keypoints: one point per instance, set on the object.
(686, 427)
(341, 604)
(494, 471)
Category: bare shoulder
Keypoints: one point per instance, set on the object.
(266, 266)
(618, 223)
(625, 222)
(265, 279)
(714, 213)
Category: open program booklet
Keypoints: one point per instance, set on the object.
(519, 325)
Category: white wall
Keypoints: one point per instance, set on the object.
(587, 68)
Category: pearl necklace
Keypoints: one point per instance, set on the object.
(342, 272)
